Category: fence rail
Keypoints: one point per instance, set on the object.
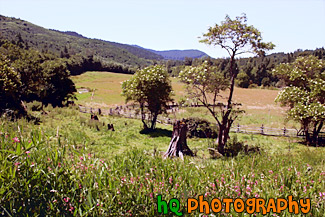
(131, 111)
(267, 131)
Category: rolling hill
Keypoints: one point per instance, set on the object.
(55, 41)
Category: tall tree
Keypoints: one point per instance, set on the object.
(151, 88)
(236, 37)
(304, 93)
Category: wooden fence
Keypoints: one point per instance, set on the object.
(127, 111)
(132, 111)
(266, 131)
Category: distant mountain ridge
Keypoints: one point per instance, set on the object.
(57, 41)
(177, 54)
(180, 54)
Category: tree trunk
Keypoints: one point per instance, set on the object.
(154, 120)
(178, 146)
(224, 126)
(221, 144)
(143, 116)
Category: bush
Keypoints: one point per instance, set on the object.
(200, 128)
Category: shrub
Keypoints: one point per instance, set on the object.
(200, 128)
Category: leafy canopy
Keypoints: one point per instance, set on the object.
(305, 91)
(151, 88)
(236, 37)
(204, 82)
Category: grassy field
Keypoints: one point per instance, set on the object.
(258, 104)
(69, 165)
(65, 166)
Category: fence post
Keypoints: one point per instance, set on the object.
(262, 129)
(238, 128)
(284, 131)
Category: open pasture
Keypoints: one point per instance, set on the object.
(258, 104)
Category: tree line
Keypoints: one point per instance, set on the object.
(28, 75)
(253, 71)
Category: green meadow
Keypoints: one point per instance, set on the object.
(66, 166)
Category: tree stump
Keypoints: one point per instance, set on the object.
(178, 146)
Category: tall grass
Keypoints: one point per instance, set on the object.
(42, 173)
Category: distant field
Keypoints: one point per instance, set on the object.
(258, 103)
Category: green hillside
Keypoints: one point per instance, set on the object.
(72, 43)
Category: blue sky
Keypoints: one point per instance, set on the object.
(176, 24)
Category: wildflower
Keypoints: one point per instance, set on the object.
(16, 140)
(270, 171)
(53, 191)
(54, 201)
(27, 152)
(71, 209)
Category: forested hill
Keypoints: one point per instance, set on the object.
(71, 43)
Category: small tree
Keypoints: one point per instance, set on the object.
(304, 93)
(9, 87)
(151, 88)
(236, 37)
(58, 85)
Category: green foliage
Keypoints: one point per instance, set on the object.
(204, 81)
(305, 92)
(200, 128)
(236, 37)
(9, 85)
(67, 44)
(28, 75)
(59, 86)
(151, 88)
(242, 80)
